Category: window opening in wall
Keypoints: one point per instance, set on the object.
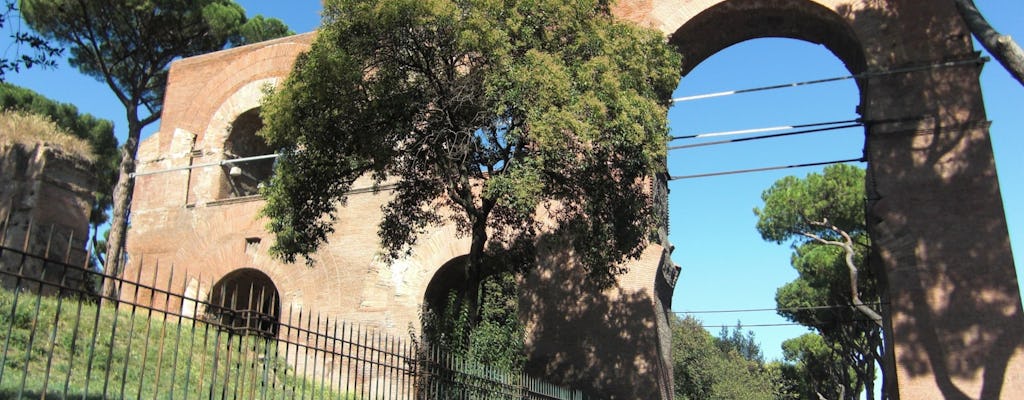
(246, 178)
(252, 245)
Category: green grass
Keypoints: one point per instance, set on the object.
(64, 348)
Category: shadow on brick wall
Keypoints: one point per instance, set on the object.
(604, 341)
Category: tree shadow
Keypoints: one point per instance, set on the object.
(607, 342)
(934, 207)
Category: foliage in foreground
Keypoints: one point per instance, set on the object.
(30, 49)
(726, 367)
(823, 216)
(63, 348)
(497, 340)
(483, 111)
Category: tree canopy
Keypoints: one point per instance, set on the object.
(483, 112)
(129, 45)
(795, 208)
(30, 49)
(726, 367)
(816, 369)
(823, 215)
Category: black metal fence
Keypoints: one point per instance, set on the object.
(61, 339)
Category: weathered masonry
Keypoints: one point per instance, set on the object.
(45, 201)
(203, 221)
(955, 323)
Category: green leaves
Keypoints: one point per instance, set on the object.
(258, 29)
(828, 205)
(484, 110)
(793, 206)
(727, 367)
(129, 44)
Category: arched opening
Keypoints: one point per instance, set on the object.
(448, 283)
(731, 22)
(244, 178)
(491, 334)
(931, 193)
(726, 265)
(246, 302)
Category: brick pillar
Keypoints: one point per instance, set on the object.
(936, 219)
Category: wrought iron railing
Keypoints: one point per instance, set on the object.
(61, 339)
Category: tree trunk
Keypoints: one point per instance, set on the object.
(122, 199)
(474, 269)
(847, 246)
(1002, 47)
(854, 290)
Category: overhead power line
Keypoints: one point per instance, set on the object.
(777, 309)
(760, 130)
(744, 326)
(211, 164)
(761, 137)
(980, 60)
(754, 325)
(744, 171)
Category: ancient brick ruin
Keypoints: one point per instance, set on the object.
(955, 320)
(45, 201)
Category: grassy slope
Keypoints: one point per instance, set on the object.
(158, 359)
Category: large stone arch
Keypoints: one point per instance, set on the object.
(956, 326)
(795, 19)
(956, 318)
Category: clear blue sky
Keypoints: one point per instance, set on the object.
(725, 263)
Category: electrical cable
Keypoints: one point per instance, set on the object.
(774, 135)
(769, 129)
(743, 326)
(980, 60)
(771, 309)
(744, 171)
(754, 325)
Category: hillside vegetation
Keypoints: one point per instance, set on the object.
(17, 127)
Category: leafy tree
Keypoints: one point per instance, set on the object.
(823, 215)
(129, 45)
(258, 29)
(497, 340)
(98, 132)
(706, 367)
(483, 111)
(40, 52)
(815, 368)
(735, 341)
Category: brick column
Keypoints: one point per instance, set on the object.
(937, 223)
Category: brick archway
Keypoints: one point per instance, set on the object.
(956, 324)
(246, 301)
(934, 208)
(449, 278)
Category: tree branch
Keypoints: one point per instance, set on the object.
(1002, 47)
(847, 246)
